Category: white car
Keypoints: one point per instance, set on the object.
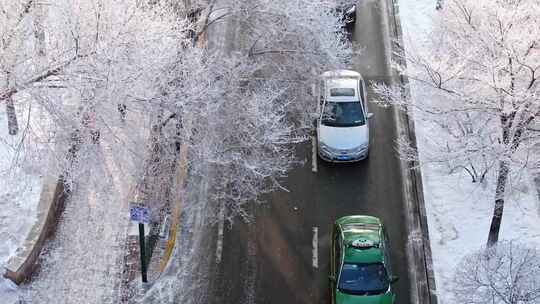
(343, 118)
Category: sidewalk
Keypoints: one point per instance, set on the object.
(83, 260)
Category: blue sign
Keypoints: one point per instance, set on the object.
(139, 214)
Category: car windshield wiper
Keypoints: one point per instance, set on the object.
(362, 292)
(330, 123)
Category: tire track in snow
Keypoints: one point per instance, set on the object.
(251, 266)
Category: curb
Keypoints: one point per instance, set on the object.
(20, 267)
(419, 248)
(536, 176)
(180, 177)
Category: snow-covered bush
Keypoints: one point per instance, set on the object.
(508, 273)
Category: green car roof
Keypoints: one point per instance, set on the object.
(362, 228)
(367, 219)
(385, 298)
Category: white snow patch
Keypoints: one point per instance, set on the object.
(8, 291)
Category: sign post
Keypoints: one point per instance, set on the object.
(141, 215)
(141, 242)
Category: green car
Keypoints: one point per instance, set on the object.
(360, 270)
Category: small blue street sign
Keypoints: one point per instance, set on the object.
(139, 214)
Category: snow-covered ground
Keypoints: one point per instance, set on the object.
(83, 264)
(20, 180)
(459, 212)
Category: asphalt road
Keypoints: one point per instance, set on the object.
(272, 260)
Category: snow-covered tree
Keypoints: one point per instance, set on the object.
(239, 106)
(508, 273)
(239, 136)
(241, 101)
(83, 62)
(16, 48)
(479, 80)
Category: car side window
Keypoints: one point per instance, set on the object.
(363, 95)
(322, 91)
(386, 251)
(337, 250)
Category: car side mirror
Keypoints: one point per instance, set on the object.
(393, 279)
(369, 115)
(332, 278)
(315, 118)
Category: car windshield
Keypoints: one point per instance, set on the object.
(343, 114)
(363, 279)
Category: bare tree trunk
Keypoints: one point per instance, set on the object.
(13, 125)
(499, 203)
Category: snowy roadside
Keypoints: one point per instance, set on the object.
(22, 159)
(185, 277)
(458, 211)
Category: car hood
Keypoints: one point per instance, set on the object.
(342, 298)
(344, 137)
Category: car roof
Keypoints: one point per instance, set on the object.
(359, 219)
(365, 229)
(339, 79)
(341, 83)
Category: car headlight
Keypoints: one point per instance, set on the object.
(359, 149)
(325, 148)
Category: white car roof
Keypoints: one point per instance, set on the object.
(342, 83)
(341, 79)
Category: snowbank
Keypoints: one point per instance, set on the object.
(21, 178)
